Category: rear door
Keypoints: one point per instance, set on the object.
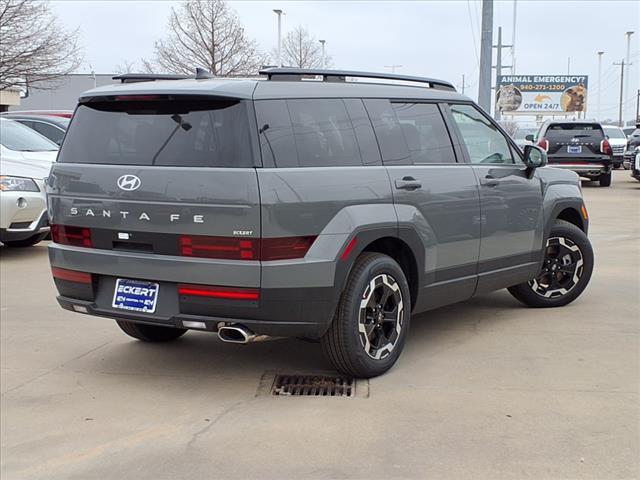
(433, 194)
(160, 175)
(510, 201)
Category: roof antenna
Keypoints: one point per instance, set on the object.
(201, 74)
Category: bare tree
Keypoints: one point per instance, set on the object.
(35, 47)
(300, 49)
(205, 33)
(125, 67)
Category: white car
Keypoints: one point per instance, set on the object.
(25, 160)
(618, 141)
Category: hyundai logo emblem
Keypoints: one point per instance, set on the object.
(129, 183)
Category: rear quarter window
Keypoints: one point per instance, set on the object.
(307, 133)
(193, 132)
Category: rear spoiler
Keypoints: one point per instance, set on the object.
(201, 74)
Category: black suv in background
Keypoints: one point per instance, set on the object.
(578, 146)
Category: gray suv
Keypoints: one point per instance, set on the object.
(329, 210)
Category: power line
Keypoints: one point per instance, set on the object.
(473, 35)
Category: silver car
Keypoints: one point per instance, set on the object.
(25, 160)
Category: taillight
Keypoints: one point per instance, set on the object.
(285, 248)
(71, 275)
(543, 143)
(228, 293)
(69, 235)
(605, 147)
(230, 248)
(227, 248)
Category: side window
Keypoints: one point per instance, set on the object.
(388, 132)
(425, 133)
(484, 142)
(364, 132)
(52, 133)
(323, 133)
(276, 133)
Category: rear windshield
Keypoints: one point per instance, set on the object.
(194, 132)
(563, 130)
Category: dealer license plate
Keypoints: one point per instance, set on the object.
(135, 295)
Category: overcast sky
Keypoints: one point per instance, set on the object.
(431, 38)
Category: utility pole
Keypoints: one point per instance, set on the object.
(628, 64)
(568, 65)
(393, 67)
(278, 12)
(486, 39)
(621, 64)
(464, 84)
(599, 84)
(324, 63)
(638, 109)
(499, 67)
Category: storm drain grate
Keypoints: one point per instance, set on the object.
(313, 386)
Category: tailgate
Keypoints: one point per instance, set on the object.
(167, 188)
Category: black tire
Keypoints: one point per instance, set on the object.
(344, 344)
(150, 333)
(530, 293)
(605, 180)
(27, 242)
(617, 166)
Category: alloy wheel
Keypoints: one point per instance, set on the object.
(380, 316)
(562, 268)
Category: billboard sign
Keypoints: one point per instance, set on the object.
(541, 94)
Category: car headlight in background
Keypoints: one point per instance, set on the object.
(17, 184)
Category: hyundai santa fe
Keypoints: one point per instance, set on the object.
(303, 204)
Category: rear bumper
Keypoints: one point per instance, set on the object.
(289, 303)
(302, 313)
(590, 168)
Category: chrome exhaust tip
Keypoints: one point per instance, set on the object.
(239, 334)
(235, 334)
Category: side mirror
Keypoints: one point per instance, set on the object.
(530, 138)
(534, 157)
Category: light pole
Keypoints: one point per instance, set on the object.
(628, 63)
(279, 13)
(599, 84)
(324, 64)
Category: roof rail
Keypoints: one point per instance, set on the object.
(290, 73)
(201, 74)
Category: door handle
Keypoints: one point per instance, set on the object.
(489, 181)
(408, 183)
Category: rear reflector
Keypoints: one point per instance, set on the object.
(71, 275)
(69, 235)
(229, 293)
(231, 248)
(347, 251)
